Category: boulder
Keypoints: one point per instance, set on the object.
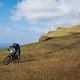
(44, 38)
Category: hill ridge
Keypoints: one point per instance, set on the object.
(60, 32)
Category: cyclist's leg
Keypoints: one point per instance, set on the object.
(19, 55)
(14, 54)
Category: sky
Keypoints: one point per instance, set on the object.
(24, 21)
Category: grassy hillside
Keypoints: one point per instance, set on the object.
(60, 32)
(54, 59)
(64, 31)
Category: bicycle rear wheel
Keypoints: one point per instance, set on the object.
(16, 58)
(7, 60)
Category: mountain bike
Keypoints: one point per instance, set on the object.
(11, 58)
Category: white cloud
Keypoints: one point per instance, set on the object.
(21, 36)
(39, 10)
(39, 30)
(53, 13)
(11, 35)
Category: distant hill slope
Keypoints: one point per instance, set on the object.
(57, 58)
(61, 32)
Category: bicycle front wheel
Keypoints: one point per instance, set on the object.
(7, 60)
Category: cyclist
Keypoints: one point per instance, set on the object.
(15, 49)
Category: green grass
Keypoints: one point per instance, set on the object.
(54, 59)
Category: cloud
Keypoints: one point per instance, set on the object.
(11, 35)
(39, 10)
(22, 36)
(52, 13)
(39, 30)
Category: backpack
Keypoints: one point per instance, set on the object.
(16, 46)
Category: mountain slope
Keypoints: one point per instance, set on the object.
(54, 59)
(61, 32)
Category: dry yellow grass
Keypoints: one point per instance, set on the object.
(64, 31)
(55, 59)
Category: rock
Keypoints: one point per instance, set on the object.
(44, 38)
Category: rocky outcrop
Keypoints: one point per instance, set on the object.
(60, 32)
(45, 38)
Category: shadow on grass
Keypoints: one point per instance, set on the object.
(29, 58)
